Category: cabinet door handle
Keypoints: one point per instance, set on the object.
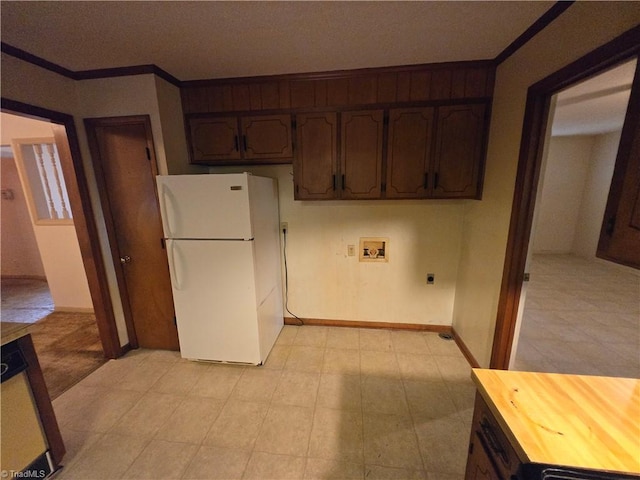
(235, 142)
(435, 180)
(493, 441)
(343, 181)
(611, 225)
(334, 183)
(426, 181)
(244, 142)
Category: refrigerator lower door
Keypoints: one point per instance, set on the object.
(214, 293)
(271, 321)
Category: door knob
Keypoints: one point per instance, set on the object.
(125, 259)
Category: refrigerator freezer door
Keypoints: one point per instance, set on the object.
(205, 206)
(215, 299)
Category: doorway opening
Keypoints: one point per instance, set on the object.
(25, 293)
(62, 129)
(43, 278)
(622, 200)
(579, 314)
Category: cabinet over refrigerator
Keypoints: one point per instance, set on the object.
(223, 245)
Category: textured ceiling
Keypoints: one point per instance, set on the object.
(198, 40)
(597, 105)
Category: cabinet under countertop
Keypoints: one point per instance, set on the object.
(579, 421)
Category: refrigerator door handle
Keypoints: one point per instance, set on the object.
(173, 271)
(165, 195)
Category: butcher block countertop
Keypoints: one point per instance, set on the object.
(571, 420)
(12, 330)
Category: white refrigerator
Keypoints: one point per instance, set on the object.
(223, 243)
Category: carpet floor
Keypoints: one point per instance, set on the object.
(67, 344)
(68, 348)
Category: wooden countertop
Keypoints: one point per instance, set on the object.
(12, 330)
(573, 420)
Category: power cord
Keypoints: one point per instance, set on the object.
(286, 279)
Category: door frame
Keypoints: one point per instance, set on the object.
(72, 166)
(620, 49)
(98, 161)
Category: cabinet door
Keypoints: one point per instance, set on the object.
(214, 139)
(267, 137)
(315, 162)
(479, 464)
(409, 152)
(361, 154)
(458, 158)
(490, 452)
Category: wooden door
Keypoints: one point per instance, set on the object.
(214, 139)
(361, 154)
(409, 152)
(458, 157)
(125, 164)
(315, 162)
(267, 137)
(620, 233)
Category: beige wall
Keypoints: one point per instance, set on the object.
(113, 97)
(326, 283)
(57, 244)
(594, 198)
(27, 83)
(583, 27)
(133, 95)
(175, 142)
(19, 256)
(575, 186)
(563, 183)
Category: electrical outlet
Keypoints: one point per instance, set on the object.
(284, 227)
(351, 250)
(431, 278)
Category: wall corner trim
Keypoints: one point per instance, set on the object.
(536, 27)
(464, 349)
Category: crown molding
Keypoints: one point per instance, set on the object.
(536, 27)
(88, 74)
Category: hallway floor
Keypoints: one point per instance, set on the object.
(580, 317)
(330, 403)
(67, 343)
(25, 300)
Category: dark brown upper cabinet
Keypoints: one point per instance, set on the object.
(247, 139)
(459, 151)
(361, 154)
(315, 165)
(430, 152)
(406, 132)
(214, 139)
(346, 89)
(409, 152)
(320, 173)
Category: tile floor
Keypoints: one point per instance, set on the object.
(329, 403)
(582, 317)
